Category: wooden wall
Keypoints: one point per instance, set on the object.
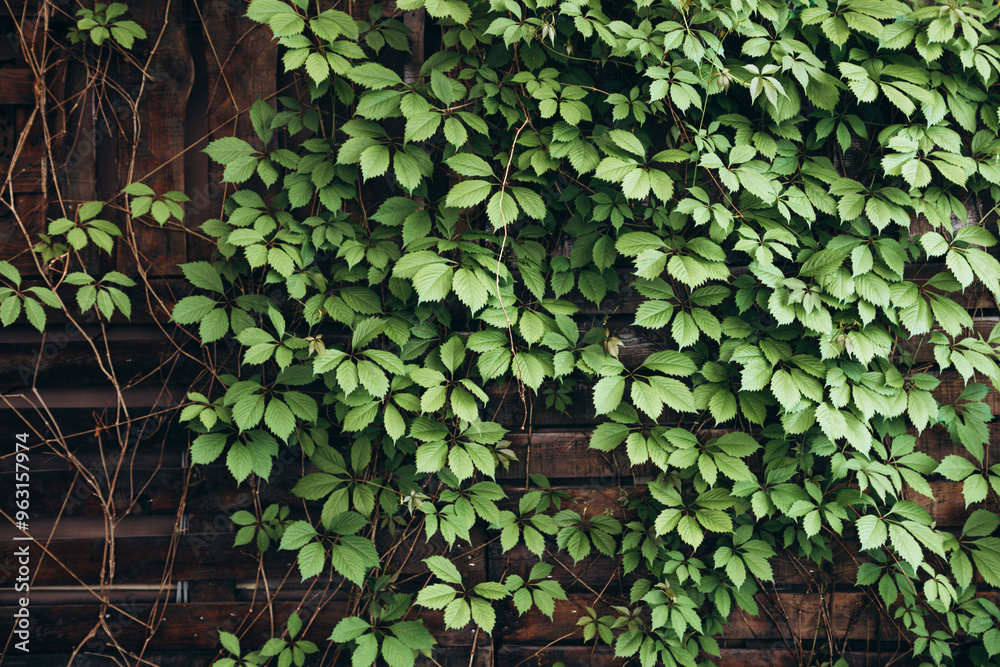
(133, 561)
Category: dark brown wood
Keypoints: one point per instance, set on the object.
(449, 656)
(598, 573)
(195, 625)
(415, 20)
(75, 151)
(206, 557)
(241, 60)
(25, 177)
(18, 86)
(152, 146)
(14, 247)
(853, 615)
(604, 656)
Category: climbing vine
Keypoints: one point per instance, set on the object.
(798, 198)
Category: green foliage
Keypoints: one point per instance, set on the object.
(162, 208)
(798, 199)
(104, 21)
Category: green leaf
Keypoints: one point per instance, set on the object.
(279, 418)
(628, 141)
(468, 193)
(482, 614)
(374, 161)
(608, 394)
(431, 457)
(396, 653)
(491, 590)
(366, 651)
(470, 289)
(457, 614)
(468, 164)
(203, 275)
(444, 569)
(955, 468)
(374, 76)
(436, 596)
(297, 535)
(229, 642)
(433, 282)
(192, 309)
(311, 560)
(872, 531)
(981, 523)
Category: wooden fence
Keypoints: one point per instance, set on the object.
(133, 562)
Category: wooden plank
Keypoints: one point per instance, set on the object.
(564, 453)
(96, 398)
(852, 615)
(558, 453)
(156, 482)
(195, 625)
(604, 656)
(204, 556)
(14, 248)
(26, 175)
(146, 303)
(241, 60)
(449, 656)
(75, 154)
(77, 355)
(415, 20)
(599, 573)
(506, 407)
(153, 142)
(18, 86)
(76, 364)
(87, 430)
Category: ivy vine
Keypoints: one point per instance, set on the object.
(797, 198)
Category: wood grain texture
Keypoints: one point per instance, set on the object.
(603, 656)
(850, 615)
(202, 556)
(18, 86)
(195, 625)
(458, 656)
(14, 248)
(152, 144)
(241, 61)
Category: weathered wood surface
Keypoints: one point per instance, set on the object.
(64, 347)
(152, 141)
(154, 482)
(449, 656)
(597, 573)
(203, 556)
(195, 625)
(24, 175)
(18, 86)
(239, 57)
(849, 615)
(777, 656)
(30, 209)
